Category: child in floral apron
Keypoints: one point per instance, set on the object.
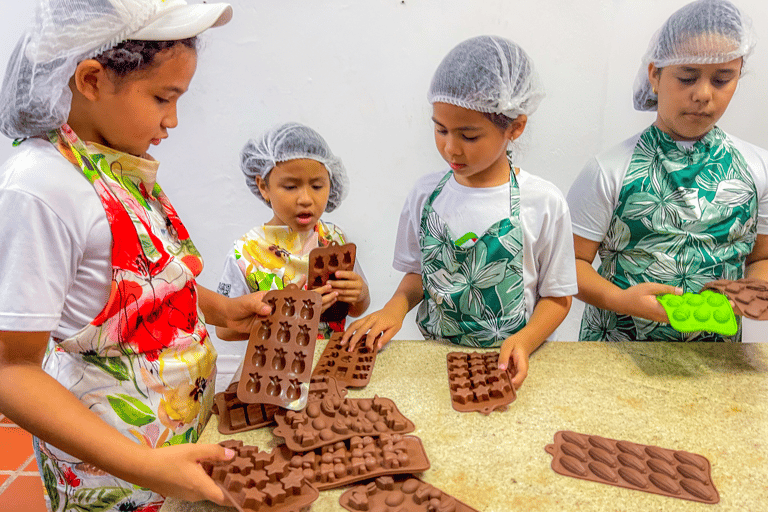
(675, 206)
(96, 265)
(485, 245)
(292, 169)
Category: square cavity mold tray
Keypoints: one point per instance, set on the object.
(393, 494)
(278, 360)
(350, 369)
(646, 468)
(323, 262)
(477, 384)
(749, 296)
(256, 481)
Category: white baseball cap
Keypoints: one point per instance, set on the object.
(176, 19)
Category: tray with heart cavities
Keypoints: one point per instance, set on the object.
(334, 419)
(477, 384)
(351, 369)
(401, 494)
(323, 263)
(280, 351)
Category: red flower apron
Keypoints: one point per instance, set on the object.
(145, 363)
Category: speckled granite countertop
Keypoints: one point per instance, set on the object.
(709, 399)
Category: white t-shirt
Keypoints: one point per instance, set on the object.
(55, 262)
(594, 195)
(549, 268)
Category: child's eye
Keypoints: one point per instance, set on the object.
(441, 131)
(720, 82)
(470, 139)
(160, 99)
(687, 81)
(318, 187)
(289, 187)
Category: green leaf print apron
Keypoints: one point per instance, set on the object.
(684, 217)
(473, 295)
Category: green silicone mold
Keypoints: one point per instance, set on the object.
(705, 311)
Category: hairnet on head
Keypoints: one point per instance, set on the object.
(35, 96)
(701, 32)
(488, 74)
(292, 141)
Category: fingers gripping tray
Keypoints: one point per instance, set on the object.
(323, 262)
(402, 495)
(278, 360)
(477, 384)
(256, 481)
(350, 369)
(673, 473)
(749, 296)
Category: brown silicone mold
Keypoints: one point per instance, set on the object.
(350, 369)
(749, 295)
(334, 419)
(359, 458)
(673, 473)
(323, 262)
(388, 494)
(320, 387)
(236, 416)
(477, 384)
(256, 481)
(278, 361)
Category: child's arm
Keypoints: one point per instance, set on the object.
(39, 404)
(352, 289)
(639, 300)
(547, 315)
(757, 261)
(237, 316)
(382, 325)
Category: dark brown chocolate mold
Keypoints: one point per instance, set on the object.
(400, 494)
(323, 262)
(673, 473)
(256, 481)
(236, 416)
(278, 360)
(350, 369)
(749, 296)
(359, 458)
(334, 419)
(477, 384)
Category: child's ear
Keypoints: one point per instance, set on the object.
(263, 188)
(517, 127)
(654, 76)
(90, 79)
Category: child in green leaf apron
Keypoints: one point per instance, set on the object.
(682, 203)
(96, 265)
(484, 245)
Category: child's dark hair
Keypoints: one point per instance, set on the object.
(133, 55)
(500, 120)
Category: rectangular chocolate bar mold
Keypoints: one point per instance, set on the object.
(401, 494)
(257, 481)
(323, 262)
(673, 473)
(359, 458)
(236, 416)
(350, 369)
(749, 295)
(477, 384)
(336, 419)
(278, 360)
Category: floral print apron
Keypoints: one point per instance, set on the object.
(473, 295)
(145, 364)
(684, 217)
(271, 257)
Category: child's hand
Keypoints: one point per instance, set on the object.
(328, 294)
(243, 312)
(640, 300)
(378, 327)
(515, 353)
(350, 286)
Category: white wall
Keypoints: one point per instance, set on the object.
(358, 72)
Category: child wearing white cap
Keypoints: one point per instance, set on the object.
(96, 266)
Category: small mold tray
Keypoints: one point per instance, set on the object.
(278, 360)
(350, 369)
(749, 296)
(706, 311)
(236, 416)
(256, 481)
(477, 384)
(673, 473)
(336, 419)
(323, 262)
(403, 494)
(359, 458)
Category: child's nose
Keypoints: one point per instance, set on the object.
(703, 91)
(305, 198)
(452, 146)
(170, 120)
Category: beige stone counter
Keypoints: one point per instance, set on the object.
(710, 399)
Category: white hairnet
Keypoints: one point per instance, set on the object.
(701, 32)
(35, 96)
(488, 74)
(292, 141)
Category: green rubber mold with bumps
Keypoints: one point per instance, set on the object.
(705, 311)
